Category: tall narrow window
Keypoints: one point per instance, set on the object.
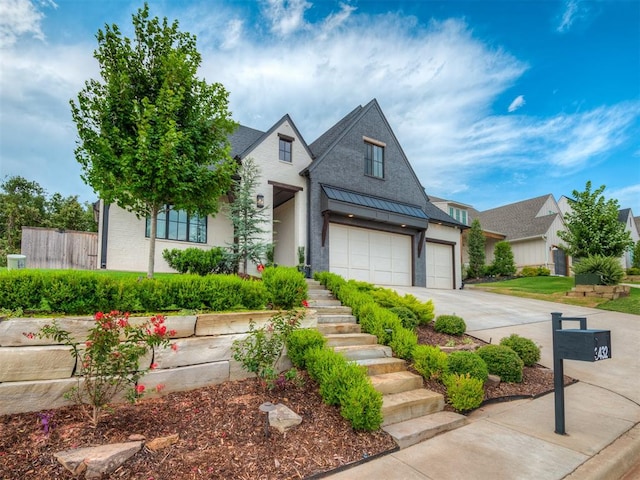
(178, 225)
(284, 153)
(374, 160)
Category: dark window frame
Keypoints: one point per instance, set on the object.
(179, 226)
(285, 148)
(374, 160)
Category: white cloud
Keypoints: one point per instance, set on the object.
(233, 34)
(573, 10)
(626, 196)
(517, 103)
(286, 16)
(20, 17)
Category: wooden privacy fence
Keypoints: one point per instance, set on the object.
(53, 248)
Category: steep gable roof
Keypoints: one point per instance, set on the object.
(623, 215)
(518, 220)
(328, 138)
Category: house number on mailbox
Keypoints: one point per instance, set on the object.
(601, 353)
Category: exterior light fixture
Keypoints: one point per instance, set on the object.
(350, 215)
(260, 200)
(403, 225)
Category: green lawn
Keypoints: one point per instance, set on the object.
(553, 289)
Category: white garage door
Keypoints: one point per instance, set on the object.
(439, 265)
(369, 255)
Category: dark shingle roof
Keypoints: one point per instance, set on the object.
(517, 220)
(623, 215)
(324, 141)
(242, 139)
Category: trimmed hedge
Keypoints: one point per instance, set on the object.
(74, 292)
(450, 324)
(526, 349)
(502, 361)
(468, 363)
(464, 391)
(286, 287)
(430, 362)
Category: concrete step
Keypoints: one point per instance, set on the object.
(335, 318)
(378, 366)
(396, 382)
(350, 339)
(362, 352)
(416, 430)
(314, 285)
(319, 294)
(332, 328)
(399, 407)
(324, 302)
(333, 310)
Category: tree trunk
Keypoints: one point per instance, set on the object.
(152, 240)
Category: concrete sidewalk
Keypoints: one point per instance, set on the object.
(516, 440)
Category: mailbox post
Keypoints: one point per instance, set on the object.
(574, 344)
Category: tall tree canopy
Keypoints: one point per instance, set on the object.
(150, 132)
(593, 227)
(475, 250)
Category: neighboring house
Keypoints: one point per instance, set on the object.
(626, 216)
(530, 226)
(351, 198)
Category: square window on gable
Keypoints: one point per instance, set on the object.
(374, 158)
(284, 149)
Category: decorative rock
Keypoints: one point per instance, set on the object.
(493, 381)
(136, 437)
(282, 418)
(95, 461)
(162, 442)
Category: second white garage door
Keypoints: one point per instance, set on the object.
(439, 265)
(369, 255)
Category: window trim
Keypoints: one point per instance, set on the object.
(285, 140)
(370, 162)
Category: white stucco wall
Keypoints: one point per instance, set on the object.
(284, 234)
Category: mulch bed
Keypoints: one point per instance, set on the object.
(221, 432)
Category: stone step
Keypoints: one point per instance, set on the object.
(362, 352)
(416, 430)
(378, 366)
(324, 302)
(396, 382)
(332, 328)
(335, 318)
(350, 339)
(333, 310)
(319, 294)
(314, 285)
(399, 407)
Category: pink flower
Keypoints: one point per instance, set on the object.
(29, 335)
(160, 330)
(154, 366)
(174, 347)
(172, 333)
(160, 387)
(88, 343)
(139, 389)
(99, 316)
(305, 304)
(260, 268)
(122, 322)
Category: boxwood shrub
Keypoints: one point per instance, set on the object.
(300, 341)
(429, 361)
(464, 391)
(286, 287)
(450, 324)
(526, 349)
(464, 362)
(502, 361)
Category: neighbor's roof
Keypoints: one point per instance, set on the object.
(518, 220)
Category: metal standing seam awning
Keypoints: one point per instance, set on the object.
(346, 202)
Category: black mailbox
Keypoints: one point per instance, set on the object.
(585, 345)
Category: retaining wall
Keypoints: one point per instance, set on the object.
(35, 373)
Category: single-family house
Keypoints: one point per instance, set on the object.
(530, 226)
(625, 216)
(350, 198)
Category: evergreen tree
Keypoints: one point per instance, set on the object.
(636, 255)
(593, 227)
(151, 132)
(503, 262)
(475, 250)
(247, 218)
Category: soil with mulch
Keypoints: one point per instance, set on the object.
(221, 432)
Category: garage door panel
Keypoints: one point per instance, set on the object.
(439, 260)
(370, 255)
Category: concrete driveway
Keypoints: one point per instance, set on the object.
(491, 316)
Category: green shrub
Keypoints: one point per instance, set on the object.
(633, 271)
(464, 362)
(362, 406)
(407, 317)
(379, 321)
(502, 361)
(349, 294)
(464, 391)
(503, 262)
(300, 341)
(199, 261)
(526, 349)
(450, 324)
(608, 268)
(535, 272)
(403, 343)
(429, 361)
(285, 286)
(390, 299)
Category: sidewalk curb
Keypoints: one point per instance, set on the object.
(612, 462)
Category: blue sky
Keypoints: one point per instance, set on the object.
(492, 101)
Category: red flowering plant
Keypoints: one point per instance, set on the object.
(109, 360)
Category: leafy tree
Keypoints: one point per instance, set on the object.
(247, 219)
(22, 203)
(69, 214)
(503, 263)
(475, 249)
(593, 227)
(636, 255)
(150, 132)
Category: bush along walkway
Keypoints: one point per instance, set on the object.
(410, 412)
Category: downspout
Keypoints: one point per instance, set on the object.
(105, 236)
